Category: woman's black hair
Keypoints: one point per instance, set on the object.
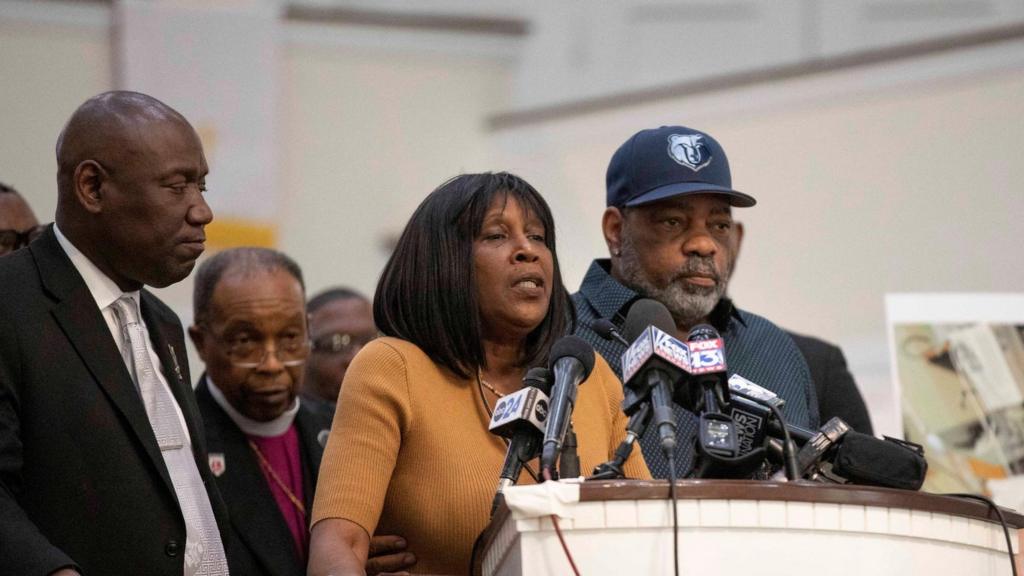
(427, 291)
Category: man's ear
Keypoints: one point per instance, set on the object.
(88, 185)
(198, 337)
(739, 237)
(611, 226)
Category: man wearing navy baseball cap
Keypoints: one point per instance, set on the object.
(672, 238)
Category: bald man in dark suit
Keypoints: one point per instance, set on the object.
(102, 461)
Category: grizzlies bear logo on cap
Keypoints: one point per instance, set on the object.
(689, 150)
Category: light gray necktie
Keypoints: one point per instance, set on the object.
(204, 552)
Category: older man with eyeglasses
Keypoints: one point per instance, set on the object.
(18, 224)
(264, 444)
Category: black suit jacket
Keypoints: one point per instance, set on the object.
(82, 480)
(263, 543)
(837, 392)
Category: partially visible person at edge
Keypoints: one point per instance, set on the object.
(265, 445)
(470, 299)
(672, 238)
(18, 224)
(340, 324)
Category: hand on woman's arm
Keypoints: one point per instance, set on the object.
(388, 557)
(338, 547)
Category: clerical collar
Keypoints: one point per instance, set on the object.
(270, 429)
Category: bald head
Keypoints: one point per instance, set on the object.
(131, 174)
(105, 128)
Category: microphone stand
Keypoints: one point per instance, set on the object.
(569, 460)
(612, 469)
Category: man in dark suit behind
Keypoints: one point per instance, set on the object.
(102, 462)
(265, 444)
(837, 392)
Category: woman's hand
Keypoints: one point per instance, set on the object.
(338, 547)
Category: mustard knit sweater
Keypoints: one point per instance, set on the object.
(409, 452)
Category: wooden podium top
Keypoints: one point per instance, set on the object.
(896, 527)
(801, 491)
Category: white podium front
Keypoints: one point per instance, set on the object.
(745, 528)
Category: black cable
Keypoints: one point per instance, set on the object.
(675, 512)
(999, 513)
(788, 452)
(788, 457)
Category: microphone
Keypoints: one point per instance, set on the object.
(837, 453)
(751, 410)
(827, 437)
(607, 330)
(652, 365)
(833, 453)
(571, 361)
(521, 417)
(756, 392)
(707, 370)
(523, 411)
(707, 392)
(719, 452)
(890, 463)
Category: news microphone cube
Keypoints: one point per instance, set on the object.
(654, 343)
(523, 408)
(706, 356)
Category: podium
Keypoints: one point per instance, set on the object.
(734, 527)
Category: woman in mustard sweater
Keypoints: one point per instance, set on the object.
(470, 299)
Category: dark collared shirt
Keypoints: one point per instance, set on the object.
(755, 349)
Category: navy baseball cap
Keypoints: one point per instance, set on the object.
(670, 161)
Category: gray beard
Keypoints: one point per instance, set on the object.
(688, 304)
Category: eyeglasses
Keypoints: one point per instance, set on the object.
(342, 343)
(11, 240)
(247, 352)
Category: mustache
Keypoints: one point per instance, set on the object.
(698, 266)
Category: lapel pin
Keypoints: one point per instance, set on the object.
(217, 463)
(177, 368)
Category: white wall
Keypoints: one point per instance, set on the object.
(366, 135)
(48, 66)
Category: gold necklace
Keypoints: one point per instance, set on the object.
(277, 480)
(486, 384)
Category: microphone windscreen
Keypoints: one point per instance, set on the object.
(575, 347)
(644, 313)
(703, 332)
(864, 459)
(604, 328)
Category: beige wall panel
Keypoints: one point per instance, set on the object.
(46, 71)
(366, 136)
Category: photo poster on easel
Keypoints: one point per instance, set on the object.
(958, 368)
